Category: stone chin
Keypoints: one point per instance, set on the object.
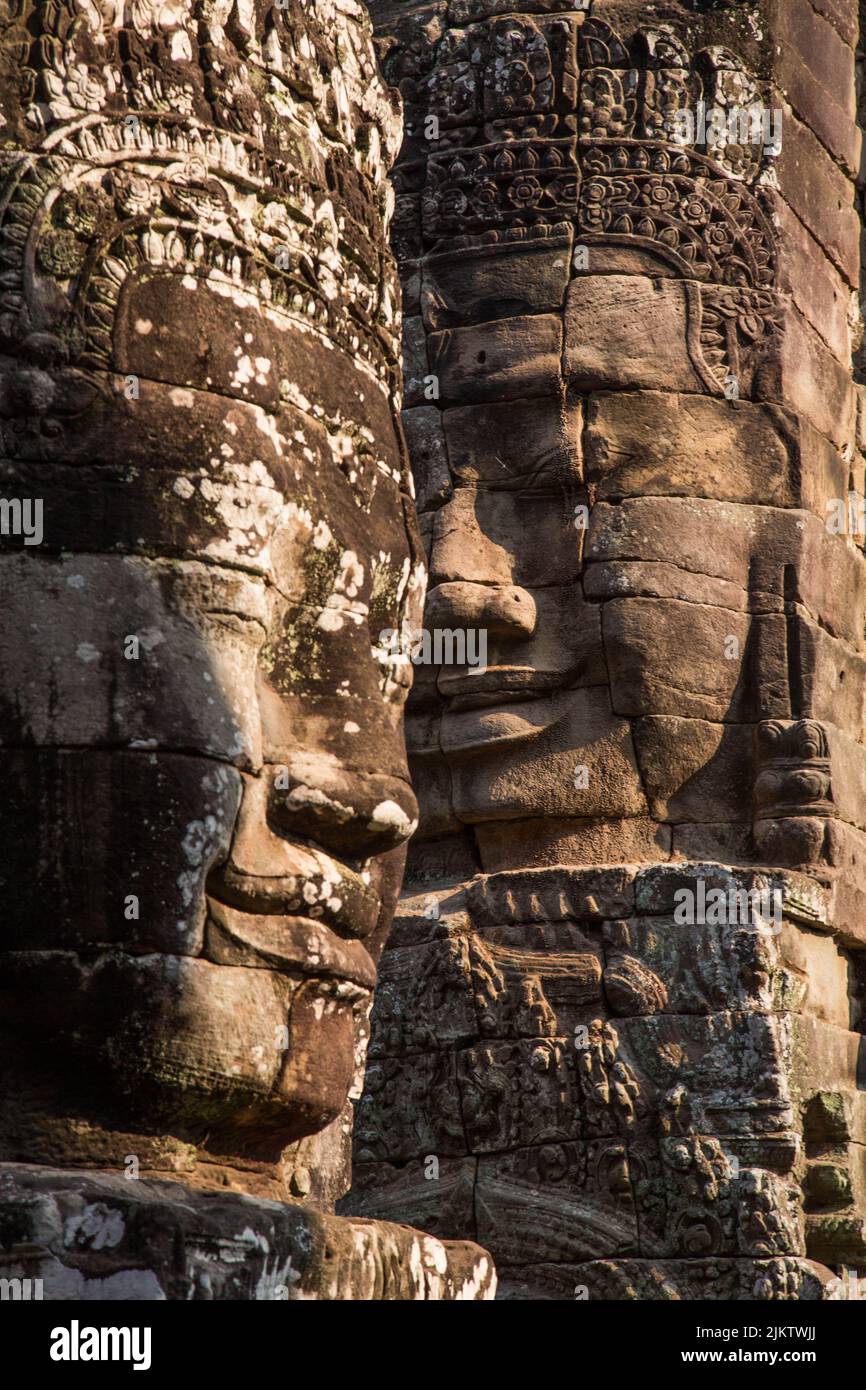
(244, 1048)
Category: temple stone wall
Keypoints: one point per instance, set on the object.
(637, 443)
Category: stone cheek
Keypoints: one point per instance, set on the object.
(633, 410)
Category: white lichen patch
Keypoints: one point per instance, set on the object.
(389, 816)
(97, 1227)
(342, 603)
(312, 798)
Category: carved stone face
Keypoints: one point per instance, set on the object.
(623, 457)
(594, 301)
(505, 559)
(207, 790)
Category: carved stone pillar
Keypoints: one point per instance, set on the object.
(630, 252)
(204, 513)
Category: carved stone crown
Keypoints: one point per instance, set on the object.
(533, 122)
(246, 145)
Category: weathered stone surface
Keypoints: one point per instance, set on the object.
(617, 1034)
(98, 1238)
(737, 548)
(425, 1000)
(572, 1198)
(644, 336)
(167, 653)
(695, 770)
(390, 1125)
(416, 368)
(503, 360)
(816, 70)
(626, 331)
(660, 443)
(545, 742)
(65, 814)
(508, 445)
(818, 289)
(544, 843)
(820, 195)
(426, 441)
(694, 1280)
(500, 281)
(436, 1196)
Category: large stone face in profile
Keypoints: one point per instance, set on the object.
(632, 427)
(207, 799)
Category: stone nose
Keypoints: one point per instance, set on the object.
(316, 806)
(502, 610)
(347, 812)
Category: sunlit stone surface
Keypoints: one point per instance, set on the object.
(206, 799)
(633, 425)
